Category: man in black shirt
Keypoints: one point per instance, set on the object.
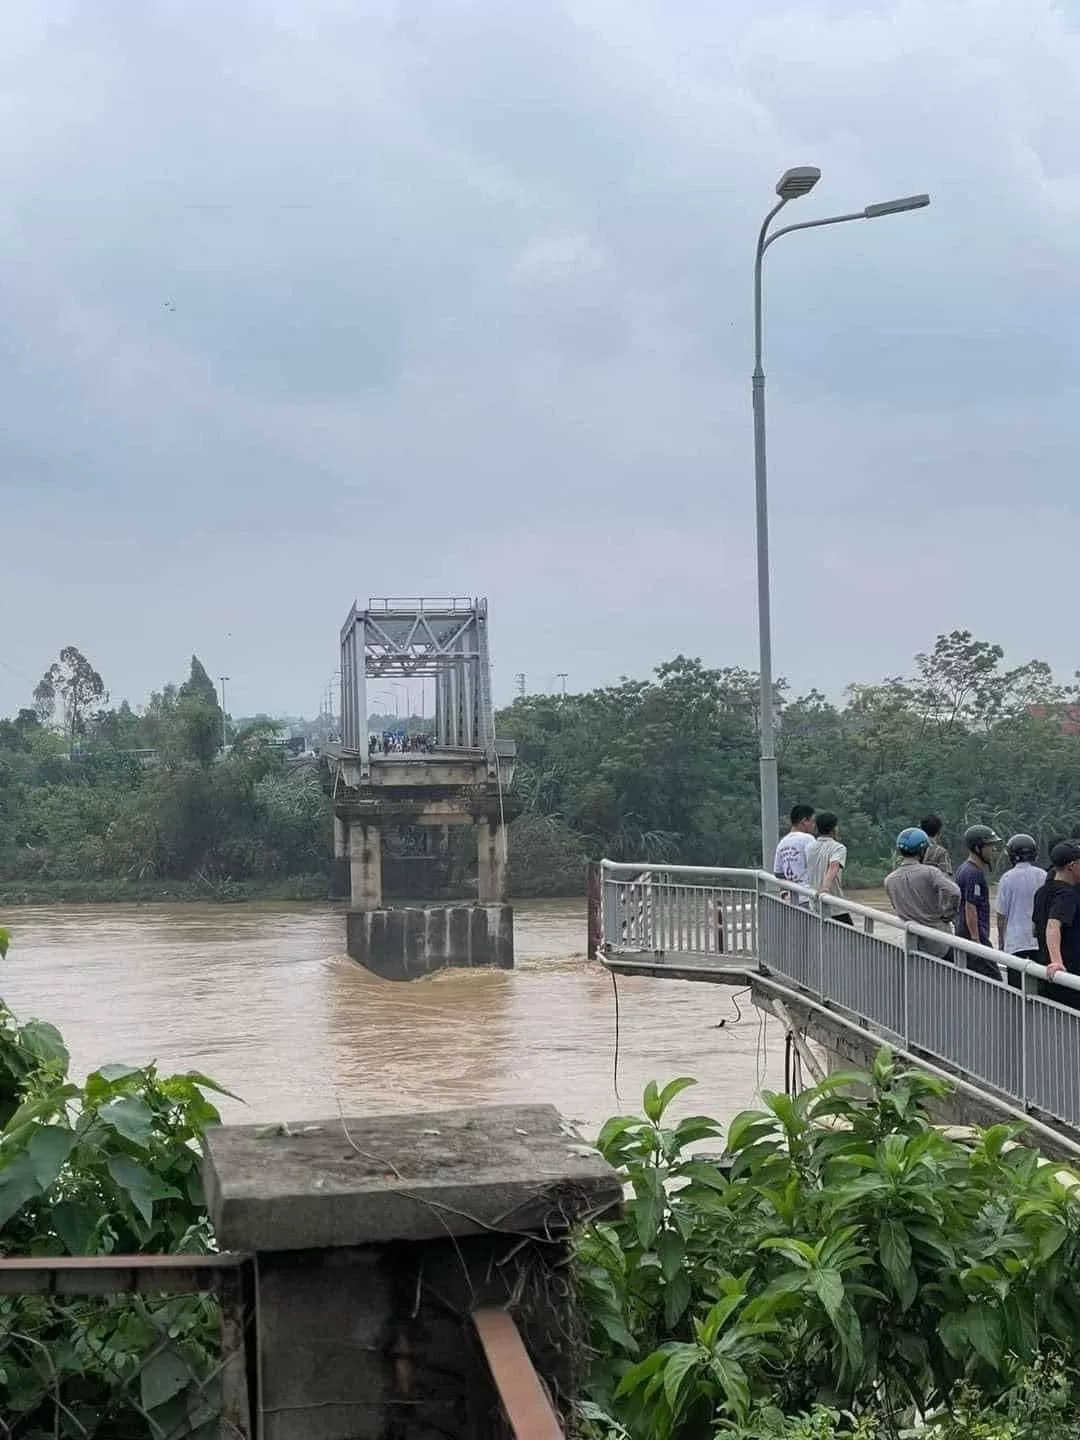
(1056, 916)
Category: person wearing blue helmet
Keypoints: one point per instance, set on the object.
(922, 893)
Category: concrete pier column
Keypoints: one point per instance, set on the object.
(365, 865)
(341, 838)
(491, 862)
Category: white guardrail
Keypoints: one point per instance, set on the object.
(976, 1009)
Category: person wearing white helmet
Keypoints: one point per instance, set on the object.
(1014, 902)
(922, 893)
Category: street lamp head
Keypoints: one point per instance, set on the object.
(894, 207)
(797, 182)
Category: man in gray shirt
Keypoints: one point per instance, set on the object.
(920, 892)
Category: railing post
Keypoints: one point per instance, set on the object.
(819, 910)
(910, 945)
(1025, 1004)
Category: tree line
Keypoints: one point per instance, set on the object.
(80, 807)
(666, 769)
(663, 769)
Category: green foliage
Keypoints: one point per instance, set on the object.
(848, 1255)
(111, 1166)
(99, 814)
(665, 769)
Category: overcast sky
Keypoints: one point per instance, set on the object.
(304, 300)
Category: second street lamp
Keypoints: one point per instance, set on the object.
(792, 185)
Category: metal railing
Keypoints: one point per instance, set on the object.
(687, 911)
(973, 1010)
(144, 1347)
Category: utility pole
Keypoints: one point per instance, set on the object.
(562, 676)
(224, 722)
(519, 681)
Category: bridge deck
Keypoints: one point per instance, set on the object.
(976, 1016)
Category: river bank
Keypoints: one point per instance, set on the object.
(120, 891)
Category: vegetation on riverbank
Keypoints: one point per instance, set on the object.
(125, 891)
(855, 1268)
(666, 769)
(111, 1166)
(662, 769)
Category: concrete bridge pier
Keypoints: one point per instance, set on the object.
(491, 861)
(365, 865)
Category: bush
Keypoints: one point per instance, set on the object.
(545, 858)
(111, 1166)
(853, 1257)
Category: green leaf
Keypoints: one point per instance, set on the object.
(748, 1127)
(44, 1044)
(829, 1287)
(677, 1296)
(130, 1117)
(894, 1247)
(615, 1329)
(50, 1146)
(983, 1324)
(137, 1183)
(5, 941)
(615, 1129)
(18, 1184)
(164, 1375)
(111, 1073)
(679, 1365)
(673, 1088)
(703, 1172)
(648, 1205)
(74, 1222)
(953, 1330)
(641, 1372)
(651, 1102)
(696, 1127)
(671, 1248)
(731, 1378)
(204, 1082)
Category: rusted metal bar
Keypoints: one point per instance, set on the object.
(111, 1274)
(524, 1399)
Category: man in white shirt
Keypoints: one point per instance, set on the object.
(789, 863)
(825, 861)
(1014, 901)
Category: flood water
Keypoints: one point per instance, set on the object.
(264, 999)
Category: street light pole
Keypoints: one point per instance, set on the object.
(224, 723)
(791, 186)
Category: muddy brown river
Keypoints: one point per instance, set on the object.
(264, 999)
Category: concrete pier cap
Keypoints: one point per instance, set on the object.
(377, 1237)
(416, 1176)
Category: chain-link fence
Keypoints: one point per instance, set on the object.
(147, 1347)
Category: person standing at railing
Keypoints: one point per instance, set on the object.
(1057, 922)
(1014, 902)
(921, 892)
(936, 853)
(825, 861)
(789, 862)
(973, 877)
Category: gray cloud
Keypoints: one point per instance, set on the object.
(304, 302)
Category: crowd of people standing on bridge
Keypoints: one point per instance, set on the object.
(1036, 908)
(401, 742)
